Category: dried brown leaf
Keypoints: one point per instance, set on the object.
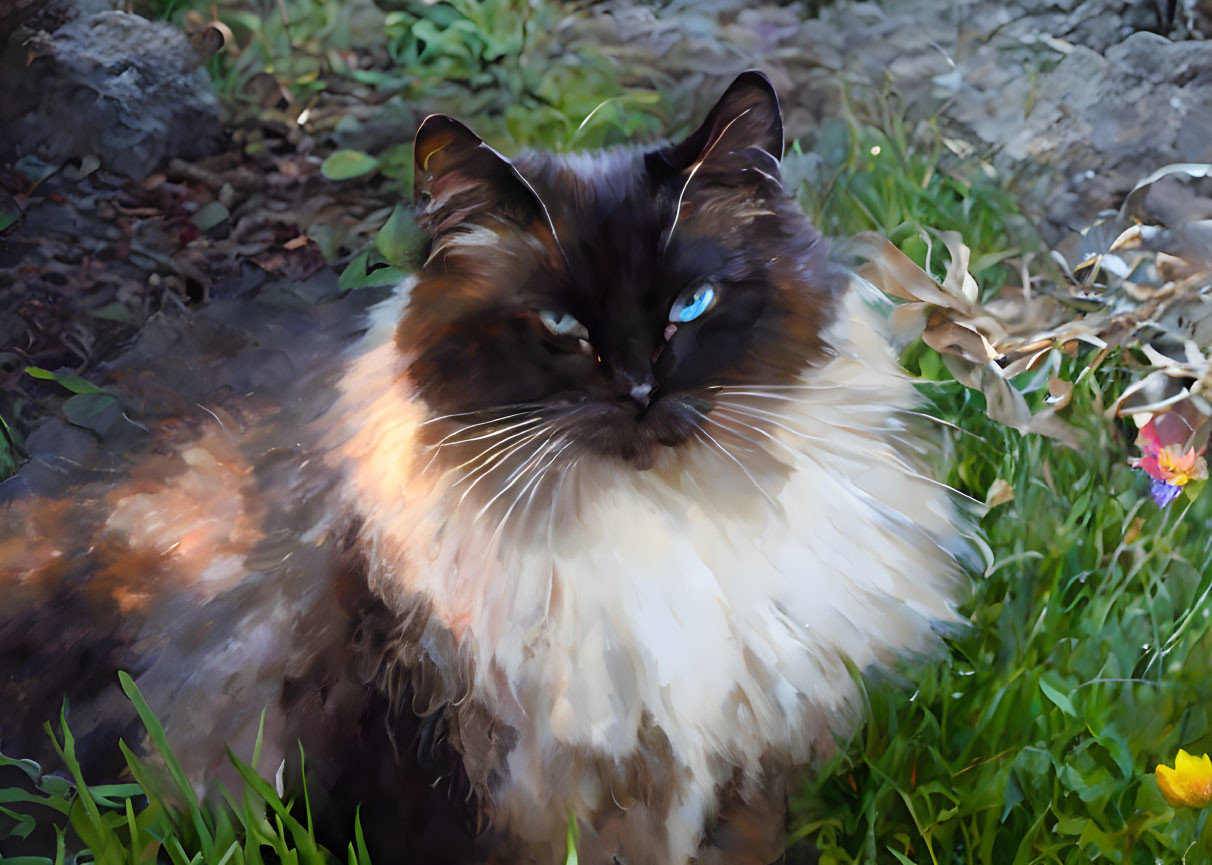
(1000, 492)
(1061, 392)
(948, 337)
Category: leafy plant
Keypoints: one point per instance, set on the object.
(159, 817)
(90, 406)
(504, 63)
(901, 180)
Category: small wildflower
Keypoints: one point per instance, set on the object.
(1166, 457)
(1189, 782)
(1164, 492)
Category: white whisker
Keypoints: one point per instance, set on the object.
(783, 396)
(538, 473)
(486, 452)
(938, 420)
(758, 413)
(767, 391)
(523, 406)
(495, 463)
(773, 387)
(445, 440)
(855, 490)
(759, 446)
(677, 210)
(485, 449)
(769, 417)
(521, 471)
(741, 466)
(795, 453)
(891, 457)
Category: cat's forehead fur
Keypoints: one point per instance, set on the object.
(606, 220)
(628, 237)
(607, 245)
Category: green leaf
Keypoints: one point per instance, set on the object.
(262, 788)
(396, 162)
(356, 274)
(210, 215)
(570, 840)
(116, 311)
(399, 238)
(95, 411)
(29, 767)
(359, 838)
(155, 730)
(256, 754)
(90, 825)
(1012, 796)
(13, 795)
(345, 164)
(53, 785)
(1057, 697)
(108, 795)
(24, 824)
(72, 382)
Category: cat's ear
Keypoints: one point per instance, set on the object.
(747, 119)
(459, 179)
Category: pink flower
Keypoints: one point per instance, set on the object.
(1167, 458)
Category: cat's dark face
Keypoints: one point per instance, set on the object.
(605, 297)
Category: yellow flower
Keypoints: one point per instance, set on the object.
(1189, 782)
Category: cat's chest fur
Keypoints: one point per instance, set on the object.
(694, 616)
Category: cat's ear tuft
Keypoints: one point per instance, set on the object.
(459, 179)
(446, 139)
(746, 117)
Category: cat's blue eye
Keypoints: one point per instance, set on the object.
(691, 304)
(563, 324)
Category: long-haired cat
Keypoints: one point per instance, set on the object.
(589, 522)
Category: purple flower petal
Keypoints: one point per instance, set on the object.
(1163, 493)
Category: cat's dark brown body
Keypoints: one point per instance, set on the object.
(589, 522)
(87, 593)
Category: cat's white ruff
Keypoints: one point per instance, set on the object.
(680, 592)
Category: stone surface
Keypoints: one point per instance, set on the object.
(1078, 127)
(112, 84)
(1072, 101)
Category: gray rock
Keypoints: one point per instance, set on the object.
(116, 85)
(1081, 135)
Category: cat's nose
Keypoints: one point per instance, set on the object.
(636, 385)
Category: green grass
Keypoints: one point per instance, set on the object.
(1089, 652)
(877, 172)
(159, 818)
(1086, 663)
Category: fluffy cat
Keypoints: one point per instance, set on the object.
(589, 521)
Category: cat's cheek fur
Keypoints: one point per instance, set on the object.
(671, 625)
